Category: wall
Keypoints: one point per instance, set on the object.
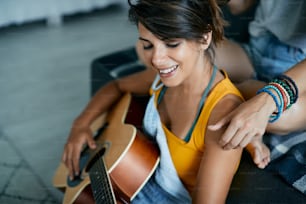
(16, 12)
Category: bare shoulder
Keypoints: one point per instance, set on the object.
(227, 104)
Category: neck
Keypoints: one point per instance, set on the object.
(199, 78)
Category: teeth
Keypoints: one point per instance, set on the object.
(166, 71)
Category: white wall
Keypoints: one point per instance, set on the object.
(20, 11)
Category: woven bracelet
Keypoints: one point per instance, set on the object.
(275, 116)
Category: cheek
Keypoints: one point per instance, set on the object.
(147, 55)
(187, 51)
(181, 54)
(185, 56)
(147, 58)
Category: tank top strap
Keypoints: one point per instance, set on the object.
(161, 94)
(204, 96)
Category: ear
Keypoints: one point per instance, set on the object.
(207, 37)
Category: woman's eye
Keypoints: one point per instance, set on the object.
(147, 47)
(172, 45)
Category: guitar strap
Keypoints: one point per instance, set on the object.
(165, 174)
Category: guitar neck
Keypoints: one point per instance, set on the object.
(100, 183)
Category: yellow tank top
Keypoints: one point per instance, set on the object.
(186, 156)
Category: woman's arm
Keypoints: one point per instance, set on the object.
(80, 133)
(298, 74)
(218, 166)
(251, 118)
(293, 118)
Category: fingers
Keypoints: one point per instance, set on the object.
(71, 158)
(75, 161)
(238, 133)
(67, 160)
(249, 137)
(76, 152)
(236, 138)
(219, 124)
(229, 133)
(72, 152)
(225, 140)
(91, 143)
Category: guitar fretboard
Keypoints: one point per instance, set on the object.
(101, 184)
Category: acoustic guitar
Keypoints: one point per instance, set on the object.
(122, 163)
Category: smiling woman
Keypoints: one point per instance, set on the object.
(187, 93)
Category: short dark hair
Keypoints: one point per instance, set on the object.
(188, 19)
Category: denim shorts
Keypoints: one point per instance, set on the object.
(152, 193)
(270, 57)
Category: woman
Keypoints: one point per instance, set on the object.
(188, 93)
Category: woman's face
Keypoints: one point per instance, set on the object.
(175, 60)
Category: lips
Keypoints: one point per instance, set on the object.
(168, 70)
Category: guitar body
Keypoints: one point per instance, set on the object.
(129, 156)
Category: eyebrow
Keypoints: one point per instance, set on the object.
(140, 38)
(163, 39)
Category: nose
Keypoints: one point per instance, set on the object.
(158, 56)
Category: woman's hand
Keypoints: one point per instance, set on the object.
(246, 122)
(81, 134)
(78, 137)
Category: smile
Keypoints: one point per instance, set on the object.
(169, 70)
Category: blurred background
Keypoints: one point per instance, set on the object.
(46, 48)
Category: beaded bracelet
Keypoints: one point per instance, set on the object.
(285, 95)
(279, 105)
(288, 89)
(291, 83)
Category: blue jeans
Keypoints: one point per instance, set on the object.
(271, 57)
(152, 193)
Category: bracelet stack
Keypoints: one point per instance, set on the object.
(284, 92)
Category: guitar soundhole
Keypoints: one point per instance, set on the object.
(97, 156)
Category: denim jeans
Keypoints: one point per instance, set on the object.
(152, 193)
(270, 57)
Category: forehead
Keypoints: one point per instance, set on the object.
(146, 34)
(143, 31)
